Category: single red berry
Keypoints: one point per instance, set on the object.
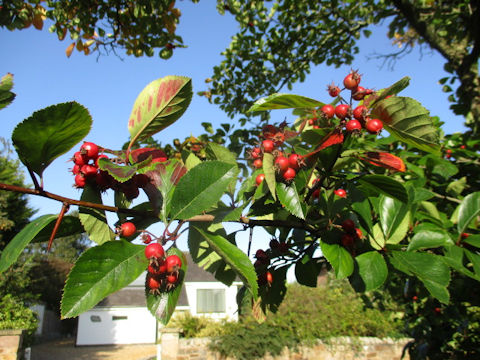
(174, 263)
(289, 174)
(333, 90)
(437, 310)
(340, 192)
(462, 147)
(374, 126)
(294, 161)
(359, 233)
(348, 225)
(269, 277)
(312, 121)
(89, 171)
(342, 111)
(268, 146)
(360, 112)
(258, 163)
(464, 236)
(415, 298)
(347, 240)
(281, 163)
(328, 111)
(80, 159)
(352, 80)
(153, 283)
(261, 254)
(353, 125)
(172, 278)
(448, 151)
(146, 238)
(127, 229)
(80, 181)
(154, 251)
(278, 138)
(76, 169)
(316, 194)
(259, 179)
(255, 153)
(89, 149)
(358, 93)
(158, 268)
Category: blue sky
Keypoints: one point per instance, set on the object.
(108, 86)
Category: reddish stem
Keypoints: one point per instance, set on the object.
(65, 207)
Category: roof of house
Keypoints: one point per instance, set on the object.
(134, 293)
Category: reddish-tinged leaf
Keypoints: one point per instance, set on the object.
(384, 160)
(336, 137)
(159, 105)
(139, 155)
(120, 173)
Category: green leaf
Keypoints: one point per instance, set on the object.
(288, 196)
(163, 305)
(159, 105)
(473, 240)
(201, 188)
(269, 171)
(204, 255)
(120, 173)
(234, 257)
(468, 210)
(475, 260)
(408, 121)
(70, 225)
(284, 101)
(55, 130)
(455, 188)
(339, 258)
(219, 152)
(99, 272)
(377, 240)
(394, 219)
(15, 247)
(370, 273)
(6, 96)
(428, 268)
(192, 161)
(428, 239)
(393, 90)
(94, 220)
(381, 184)
(306, 271)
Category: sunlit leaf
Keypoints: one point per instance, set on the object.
(468, 210)
(288, 196)
(339, 258)
(370, 273)
(284, 101)
(6, 96)
(385, 160)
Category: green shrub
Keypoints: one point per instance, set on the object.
(197, 326)
(15, 315)
(306, 315)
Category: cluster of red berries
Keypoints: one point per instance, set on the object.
(354, 119)
(351, 234)
(163, 272)
(86, 170)
(263, 260)
(286, 165)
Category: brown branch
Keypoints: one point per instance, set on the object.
(65, 207)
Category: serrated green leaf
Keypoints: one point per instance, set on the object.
(70, 225)
(339, 258)
(234, 257)
(163, 305)
(6, 96)
(284, 101)
(94, 220)
(15, 247)
(429, 268)
(159, 105)
(288, 196)
(408, 121)
(394, 219)
(429, 239)
(269, 171)
(377, 240)
(370, 273)
(120, 173)
(219, 152)
(392, 90)
(99, 272)
(385, 185)
(468, 210)
(56, 129)
(201, 188)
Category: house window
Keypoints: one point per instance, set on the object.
(210, 301)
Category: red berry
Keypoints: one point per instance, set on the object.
(153, 283)
(259, 179)
(328, 111)
(340, 192)
(269, 277)
(360, 112)
(258, 163)
(157, 269)
(154, 251)
(347, 240)
(89, 149)
(358, 93)
(437, 310)
(269, 131)
(374, 126)
(415, 298)
(174, 263)
(278, 138)
(268, 146)
(89, 170)
(172, 278)
(76, 169)
(281, 163)
(255, 153)
(146, 238)
(464, 235)
(127, 229)
(289, 174)
(352, 80)
(359, 233)
(348, 225)
(342, 111)
(333, 90)
(316, 194)
(462, 147)
(294, 161)
(79, 158)
(261, 254)
(353, 125)
(80, 181)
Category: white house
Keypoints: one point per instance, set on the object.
(123, 318)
